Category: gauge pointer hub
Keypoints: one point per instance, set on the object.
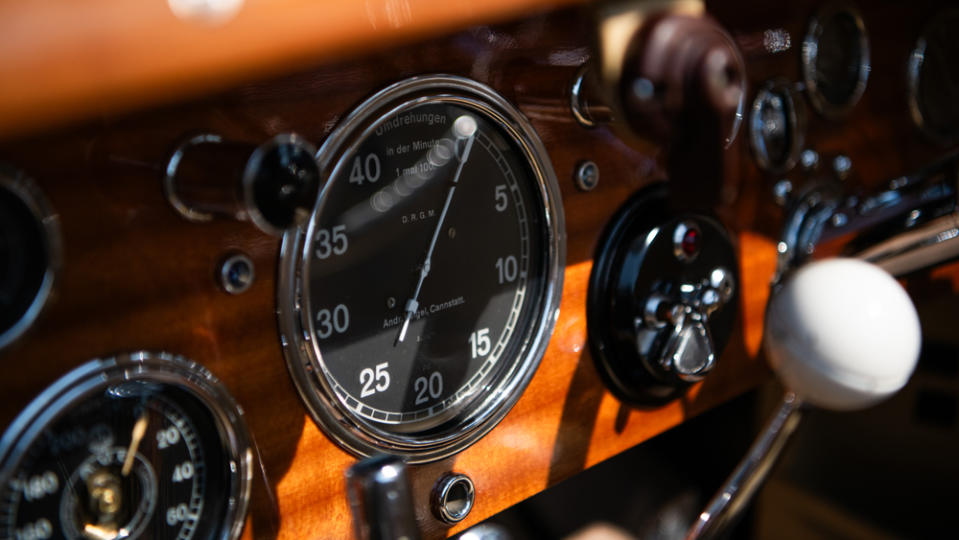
(464, 127)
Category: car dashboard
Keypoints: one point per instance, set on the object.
(251, 248)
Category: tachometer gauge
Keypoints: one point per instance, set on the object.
(416, 304)
(137, 446)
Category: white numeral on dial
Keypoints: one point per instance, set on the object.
(331, 242)
(167, 437)
(38, 530)
(507, 269)
(177, 514)
(381, 377)
(428, 388)
(365, 170)
(328, 321)
(480, 343)
(183, 471)
(501, 200)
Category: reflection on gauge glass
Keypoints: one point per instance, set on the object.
(137, 446)
(29, 253)
(934, 78)
(835, 59)
(776, 127)
(418, 301)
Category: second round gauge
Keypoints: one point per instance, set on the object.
(428, 277)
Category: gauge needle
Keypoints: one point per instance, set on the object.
(464, 127)
(99, 533)
(138, 430)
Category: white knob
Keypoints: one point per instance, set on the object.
(842, 334)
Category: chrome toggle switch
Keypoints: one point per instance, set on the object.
(688, 348)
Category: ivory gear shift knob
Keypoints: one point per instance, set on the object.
(842, 334)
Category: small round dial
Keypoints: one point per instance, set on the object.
(141, 446)
(429, 271)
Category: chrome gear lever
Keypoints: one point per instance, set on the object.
(841, 334)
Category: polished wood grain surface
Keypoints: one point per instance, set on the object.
(63, 60)
(137, 276)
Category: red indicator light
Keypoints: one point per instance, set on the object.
(687, 241)
(690, 244)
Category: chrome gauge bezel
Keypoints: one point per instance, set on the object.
(459, 428)
(25, 189)
(810, 53)
(795, 111)
(914, 83)
(93, 376)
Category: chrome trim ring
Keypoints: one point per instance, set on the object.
(460, 428)
(577, 100)
(25, 189)
(452, 498)
(810, 54)
(93, 376)
(795, 114)
(169, 178)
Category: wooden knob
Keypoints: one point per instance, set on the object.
(677, 69)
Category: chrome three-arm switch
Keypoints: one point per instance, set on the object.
(683, 320)
(661, 299)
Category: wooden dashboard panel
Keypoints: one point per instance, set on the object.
(64, 61)
(137, 276)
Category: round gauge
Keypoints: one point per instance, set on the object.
(137, 446)
(776, 127)
(934, 79)
(416, 304)
(29, 253)
(835, 59)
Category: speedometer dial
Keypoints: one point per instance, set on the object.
(419, 299)
(139, 446)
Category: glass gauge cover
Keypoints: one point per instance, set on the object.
(419, 299)
(835, 59)
(137, 446)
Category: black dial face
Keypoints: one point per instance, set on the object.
(426, 264)
(131, 459)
